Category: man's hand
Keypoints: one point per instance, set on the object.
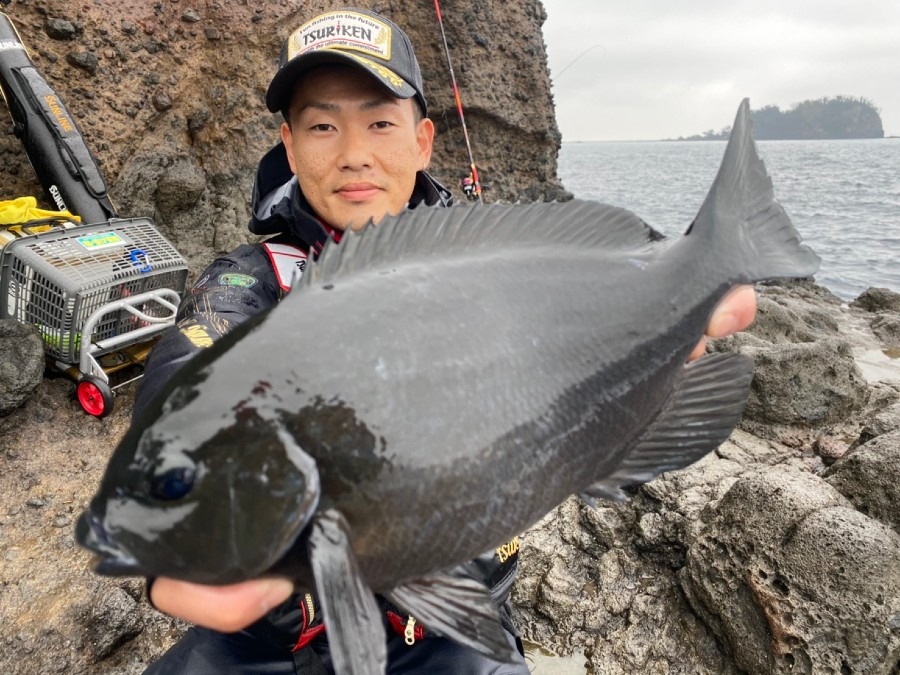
(231, 608)
(223, 608)
(735, 313)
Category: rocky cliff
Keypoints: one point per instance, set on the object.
(779, 552)
(170, 97)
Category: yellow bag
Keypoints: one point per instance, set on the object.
(15, 215)
(23, 209)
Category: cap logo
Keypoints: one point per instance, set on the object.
(344, 31)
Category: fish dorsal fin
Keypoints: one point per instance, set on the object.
(457, 607)
(426, 232)
(701, 413)
(355, 630)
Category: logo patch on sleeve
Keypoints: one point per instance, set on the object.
(236, 279)
(289, 263)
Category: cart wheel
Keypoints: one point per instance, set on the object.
(95, 396)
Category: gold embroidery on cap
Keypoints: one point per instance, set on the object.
(386, 73)
(293, 47)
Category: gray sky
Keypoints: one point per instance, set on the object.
(668, 68)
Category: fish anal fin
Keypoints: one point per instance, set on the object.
(700, 415)
(459, 608)
(355, 629)
(602, 490)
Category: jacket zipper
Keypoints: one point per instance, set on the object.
(409, 635)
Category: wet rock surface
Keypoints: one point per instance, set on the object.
(869, 477)
(777, 552)
(791, 577)
(810, 383)
(878, 300)
(21, 363)
(887, 328)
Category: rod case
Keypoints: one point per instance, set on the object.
(53, 142)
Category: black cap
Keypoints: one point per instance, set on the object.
(356, 37)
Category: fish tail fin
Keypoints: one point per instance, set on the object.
(740, 215)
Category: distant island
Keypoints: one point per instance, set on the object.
(838, 117)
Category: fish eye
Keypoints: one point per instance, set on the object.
(173, 484)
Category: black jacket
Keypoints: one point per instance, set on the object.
(252, 279)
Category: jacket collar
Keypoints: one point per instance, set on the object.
(279, 207)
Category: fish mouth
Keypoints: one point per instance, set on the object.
(109, 559)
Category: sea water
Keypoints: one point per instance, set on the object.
(843, 195)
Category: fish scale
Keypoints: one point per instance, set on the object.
(432, 456)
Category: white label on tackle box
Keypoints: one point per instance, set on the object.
(94, 242)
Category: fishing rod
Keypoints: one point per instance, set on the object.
(569, 65)
(459, 107)
(52, 140)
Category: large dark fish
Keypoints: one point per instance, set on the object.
(432, 388)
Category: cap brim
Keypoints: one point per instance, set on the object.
(281, 89)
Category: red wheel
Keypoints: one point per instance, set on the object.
(95, 396)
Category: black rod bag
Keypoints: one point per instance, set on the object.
(55, 147)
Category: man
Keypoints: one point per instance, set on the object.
(355, 146)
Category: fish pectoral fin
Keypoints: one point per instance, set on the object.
(352, 616)
(700, 415)
(459, 608)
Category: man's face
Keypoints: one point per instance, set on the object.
(354, 147)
